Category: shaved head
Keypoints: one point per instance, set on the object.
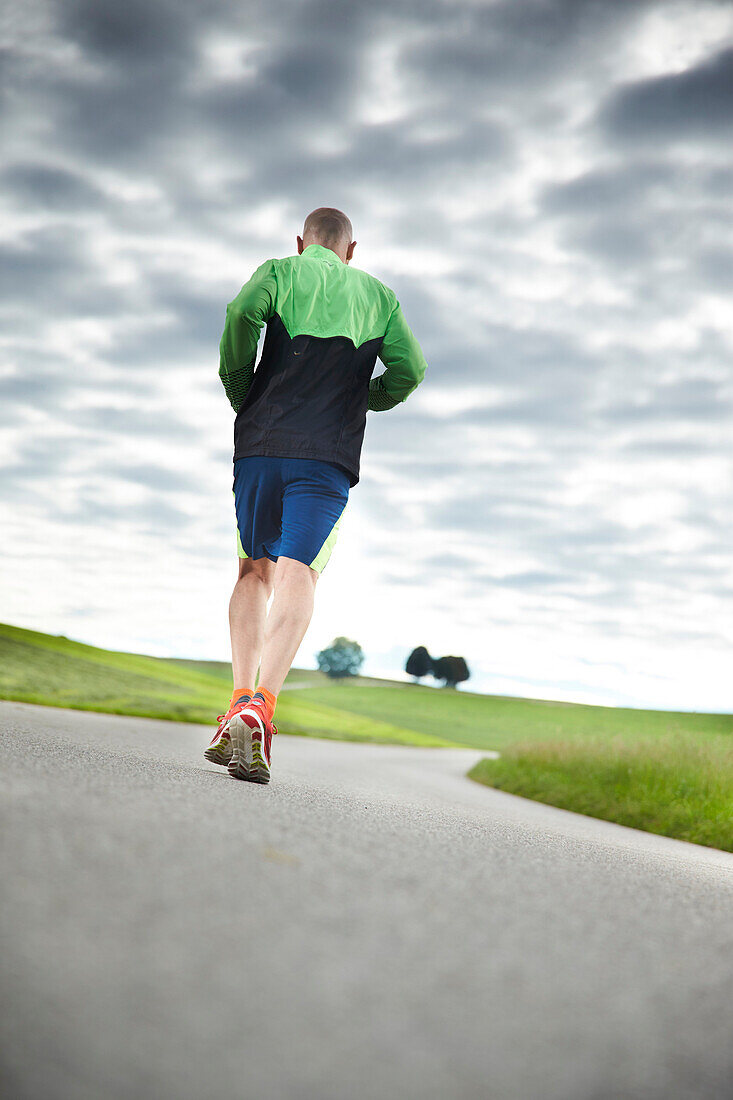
(329, 227)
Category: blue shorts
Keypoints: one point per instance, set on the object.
(289, 506)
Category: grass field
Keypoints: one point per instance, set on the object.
(668, 772)
(41, 668)
(676, 786)
(496, 721)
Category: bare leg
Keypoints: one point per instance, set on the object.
(247, 615)
(287, 622)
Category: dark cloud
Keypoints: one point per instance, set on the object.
(154, 515)
(555, 409)
(606, 213)
(184, 330)
(135, 33)
(698, 399)
(719, 182)
(31, 389)
(603, 191)
(490, 512)
(43, 460)
(695, 104)
(52, 272)
(136, 423)
(42, 263)
(673, 448)
(51, 188)
(638, 216)
(715, 266)
(534, 579)
(385, 156)
(162, 479)
(508, 47)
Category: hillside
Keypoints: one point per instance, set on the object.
(55, 671)
(41, 668)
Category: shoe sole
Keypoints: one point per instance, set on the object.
(248, 758)
(219, 753)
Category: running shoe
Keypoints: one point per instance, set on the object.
(220, 749)
(251, 732)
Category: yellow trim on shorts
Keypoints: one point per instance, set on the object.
(240, 548)
(324, 553)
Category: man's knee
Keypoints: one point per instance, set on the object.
(292, 570)
(261, 568)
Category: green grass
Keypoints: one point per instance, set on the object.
(54, 671)
(667, 772)
(680, 787)
(495, 722)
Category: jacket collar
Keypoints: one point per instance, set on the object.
(320, 252)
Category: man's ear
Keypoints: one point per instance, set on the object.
(300, 245)
(350, 251)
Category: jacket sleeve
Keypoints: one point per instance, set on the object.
(245, 316)
(404, 361)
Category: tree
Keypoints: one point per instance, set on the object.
(452, 670)
(343, 657)
(419, 663)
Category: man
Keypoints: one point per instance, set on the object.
(297, 442)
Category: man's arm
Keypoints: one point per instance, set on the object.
(246, 315)
(404, 361)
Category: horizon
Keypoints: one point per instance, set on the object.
(425, 681)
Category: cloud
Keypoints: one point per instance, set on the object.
(687, 401)
(692, 105)
(611, 190)
(545, 185)
(509, 48)
(49, 187)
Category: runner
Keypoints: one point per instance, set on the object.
(298, 435)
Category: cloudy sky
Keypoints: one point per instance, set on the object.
(547, 185)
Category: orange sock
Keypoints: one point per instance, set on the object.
(237, 693)
(270, 699)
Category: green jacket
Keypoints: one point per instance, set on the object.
(327, 323)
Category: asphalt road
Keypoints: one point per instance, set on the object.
(371, 925)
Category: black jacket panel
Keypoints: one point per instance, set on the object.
(308, 399)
